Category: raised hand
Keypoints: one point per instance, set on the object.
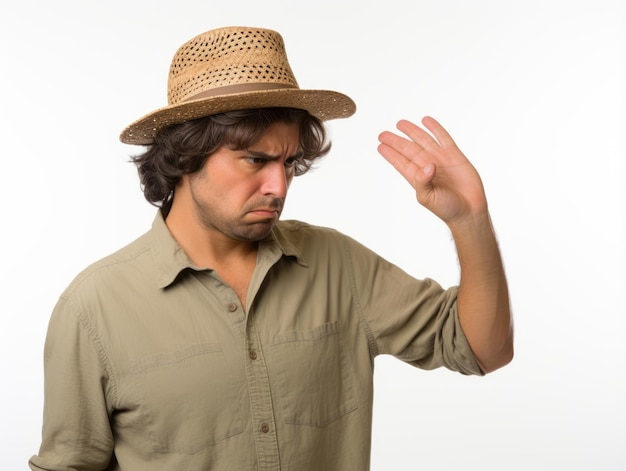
(444, 180)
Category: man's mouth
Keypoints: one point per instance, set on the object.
(271, 209)
(265, 211)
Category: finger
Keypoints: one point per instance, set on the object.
(410, 150)
(440, 133)
(398, 160)
(399, 142)
(418, 135)
(409, 169)
(439, 138)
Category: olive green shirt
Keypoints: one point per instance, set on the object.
(151, 363)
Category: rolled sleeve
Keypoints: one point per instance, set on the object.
(411, 319)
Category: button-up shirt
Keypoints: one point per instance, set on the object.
(151, 363)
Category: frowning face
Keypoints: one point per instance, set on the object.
(241, 193)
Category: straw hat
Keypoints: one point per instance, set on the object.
(228, 69)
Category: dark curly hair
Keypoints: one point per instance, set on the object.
(182, 149)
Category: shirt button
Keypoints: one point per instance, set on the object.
(252, 355)
(265, 428)
(232, 307)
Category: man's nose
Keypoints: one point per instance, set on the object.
(275, 180)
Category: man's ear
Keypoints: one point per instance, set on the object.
(183, 182)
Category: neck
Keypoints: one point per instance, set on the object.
(233, 260)
(206, 246)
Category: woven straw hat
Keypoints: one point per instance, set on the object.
(233, 68)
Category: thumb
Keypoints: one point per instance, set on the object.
(425, 176)
(424, 184)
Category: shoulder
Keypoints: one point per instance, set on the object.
(114, 268)
(308, 239)
(303, 234)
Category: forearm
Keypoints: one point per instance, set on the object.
(483, 300)
(447, 184)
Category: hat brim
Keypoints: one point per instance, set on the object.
(323, 104)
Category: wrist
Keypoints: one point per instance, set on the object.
(473, 223)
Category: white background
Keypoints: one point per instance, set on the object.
(533, 92)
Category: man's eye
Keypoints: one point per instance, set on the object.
(255, 160)
(291, 162)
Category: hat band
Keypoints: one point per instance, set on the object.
(240, 88)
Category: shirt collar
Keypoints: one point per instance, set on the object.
(280, 238)
(171, 259)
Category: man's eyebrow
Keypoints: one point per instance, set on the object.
(266, 156)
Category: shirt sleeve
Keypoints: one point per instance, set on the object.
(414, 320)
(76, 424)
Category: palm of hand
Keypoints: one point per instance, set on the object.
(444, 180)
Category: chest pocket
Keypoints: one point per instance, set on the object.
(314, 380)
(191, 398)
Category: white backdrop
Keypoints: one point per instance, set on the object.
(533, 92)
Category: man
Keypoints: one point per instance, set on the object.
(226, 339)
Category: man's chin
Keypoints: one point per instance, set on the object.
(256, 232)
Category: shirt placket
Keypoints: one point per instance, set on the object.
(263, 421)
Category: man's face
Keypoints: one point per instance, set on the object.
(241, 193)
